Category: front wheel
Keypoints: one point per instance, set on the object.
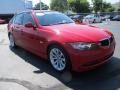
(58, 58)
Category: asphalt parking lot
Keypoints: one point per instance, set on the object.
(21, 70)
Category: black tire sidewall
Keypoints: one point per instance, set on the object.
(13, 39)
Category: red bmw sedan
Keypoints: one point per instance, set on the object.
(55, 37)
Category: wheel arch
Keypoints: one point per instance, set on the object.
(57, 44)
(9, 34)
(61, 46)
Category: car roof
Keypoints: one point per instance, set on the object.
(37, 11)
(42, 11)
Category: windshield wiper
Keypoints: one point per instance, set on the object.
(57, 23)
(61, 23)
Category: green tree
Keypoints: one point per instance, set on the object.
(43, 6)
(97, 5)
(79, 6)
(59, 5)
(101, 6)
(110, 9)
(118, 9)
(106, 6)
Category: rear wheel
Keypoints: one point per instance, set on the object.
(12, 41)
(58, 58)
(100, 20)
(94, 21)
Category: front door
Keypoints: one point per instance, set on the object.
(30, 36)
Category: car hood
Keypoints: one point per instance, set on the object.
(78, 32)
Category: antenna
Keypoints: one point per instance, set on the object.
(40, 4)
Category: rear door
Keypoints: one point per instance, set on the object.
(17, 28)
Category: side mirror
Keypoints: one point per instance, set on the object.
(29, 25)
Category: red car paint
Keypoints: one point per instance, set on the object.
(39, 39)
(2, 21)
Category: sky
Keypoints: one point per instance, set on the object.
(44, 1)
(48, 1)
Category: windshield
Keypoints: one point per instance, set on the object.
(52, 18)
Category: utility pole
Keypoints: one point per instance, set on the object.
(40, 5)
(102, 5)
(119, 3)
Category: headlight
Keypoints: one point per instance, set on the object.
(83, 46)
(108, 32)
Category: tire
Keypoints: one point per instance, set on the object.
(12, 41)
(94, 21)
(59, 58)
(100, 21)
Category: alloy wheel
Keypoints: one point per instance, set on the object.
(12, 42)
(57, 59)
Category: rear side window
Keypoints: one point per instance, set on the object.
(11, 21)
(28, 18)
(18, 19)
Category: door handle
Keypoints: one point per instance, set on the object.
(15, 30)
(31, 37)
(17, 27)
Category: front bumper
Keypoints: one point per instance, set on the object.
(87, 60)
